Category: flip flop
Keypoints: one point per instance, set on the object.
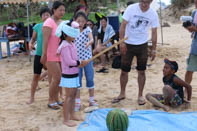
(90, 109)
(60, 103)
(141, 101)
(103, 70)
(54, 106)
(116, 100)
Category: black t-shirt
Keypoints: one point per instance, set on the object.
(176, 87)
(101, 35)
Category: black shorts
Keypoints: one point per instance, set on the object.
(37, 65)
(141, 53)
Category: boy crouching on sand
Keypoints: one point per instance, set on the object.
(173, 94)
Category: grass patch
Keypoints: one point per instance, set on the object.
(37, 19)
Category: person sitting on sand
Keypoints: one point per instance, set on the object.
(105, 34)
(173, 94)
(70, 68)
(38, 36)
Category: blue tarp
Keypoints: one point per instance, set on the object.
(144, 120)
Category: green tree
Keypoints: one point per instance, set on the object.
(181, 3)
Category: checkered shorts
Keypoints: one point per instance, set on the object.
(69, 82)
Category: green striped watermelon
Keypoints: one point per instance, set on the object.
(117, 120)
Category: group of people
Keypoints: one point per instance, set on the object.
(137, 19)
(65, 47)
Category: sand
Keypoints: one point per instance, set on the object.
(16, 76)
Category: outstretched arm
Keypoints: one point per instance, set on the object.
(192, 28)
(187, 87)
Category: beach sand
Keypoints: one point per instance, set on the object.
(16, 75)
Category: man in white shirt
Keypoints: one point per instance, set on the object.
(137, 20)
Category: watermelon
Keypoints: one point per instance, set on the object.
(117, 120)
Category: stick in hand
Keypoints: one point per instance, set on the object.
(107, 49)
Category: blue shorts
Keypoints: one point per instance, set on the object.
(192, 63)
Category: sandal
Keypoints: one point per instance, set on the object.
(93, 103)
(60, 103)
(116, 100)
(102, 70)
(77, 107)
(54, 106)
(141, 101)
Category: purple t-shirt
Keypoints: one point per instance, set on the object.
(68, 56)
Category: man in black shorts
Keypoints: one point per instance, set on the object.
(137, 20)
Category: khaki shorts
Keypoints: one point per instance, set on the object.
(141, 53)
(192, 63)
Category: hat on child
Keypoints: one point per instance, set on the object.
(173, 64)
(72, 31)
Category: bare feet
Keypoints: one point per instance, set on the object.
(76, 118)
(70, 123)
(30, 101)
(166, 108)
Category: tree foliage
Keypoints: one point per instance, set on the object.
(181, 3)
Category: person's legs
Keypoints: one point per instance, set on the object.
(125, 69)
(142, 57)
(43, 75)
(100, 48)
(153, 98)
(55, 72)
(61, 93)
(123, 82)
(188, 77)
(168, 93)
(89, 74)
(102, 57)
(34, 85)
(191, 67)
(77, 99)
(141, 82)
(68, 106)
(37, 71)
(49, 78)
(73, 115)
